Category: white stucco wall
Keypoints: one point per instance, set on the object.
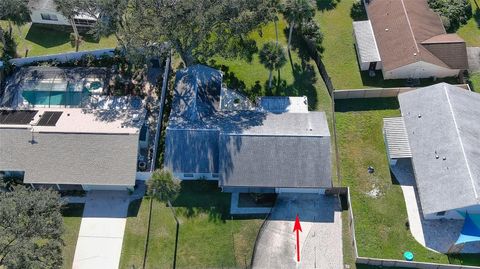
(300, 190)
(106, 187)
(420, 70)
(195, 176)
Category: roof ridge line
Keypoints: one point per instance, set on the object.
(410, 25)
(461, 142)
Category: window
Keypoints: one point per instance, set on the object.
(441, 213)
(215, 175)
(188, 175)
(49, 17)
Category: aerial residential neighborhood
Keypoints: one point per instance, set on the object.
(333, 134)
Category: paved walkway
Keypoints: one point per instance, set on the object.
(320, 241)
(100, 238)
(436, 235)
(473, 59)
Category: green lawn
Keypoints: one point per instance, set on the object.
(379, 220)
(297, 78)
(471, 31)
(41, 40)
(72, 217)
(208, 237)
(475, 82)
(339, 54)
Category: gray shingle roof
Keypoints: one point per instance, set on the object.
(192, 151)
(443, 120)
(265, 157)
(196, 140)
(65, 158)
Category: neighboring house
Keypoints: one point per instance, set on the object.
(217, 134)
(45, 12)
(93, 144)
(439, 131)
(407, 40)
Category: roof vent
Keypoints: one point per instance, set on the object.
(419, 116)
(414, 54)
(444, 158)
(386, 29)
(436, 156)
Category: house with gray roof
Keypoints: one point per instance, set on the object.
(44, 12)
(439, 131)
(280, 146)
(98, 143)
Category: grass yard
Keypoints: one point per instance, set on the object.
(72, 217)
(475, 82)
(377, 201)
(298, 77)
(471, 31)
(42, 41)
(208, 237)
(339, 54)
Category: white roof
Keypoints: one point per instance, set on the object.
(396, 138)
(443, 127)
(104, 118)
(366, 43)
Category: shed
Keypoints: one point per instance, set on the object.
(366, 45)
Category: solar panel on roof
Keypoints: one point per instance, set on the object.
(49, 118)
(17, 116)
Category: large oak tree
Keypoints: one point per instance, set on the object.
(31, 228)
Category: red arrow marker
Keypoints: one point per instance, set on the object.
(297, 228)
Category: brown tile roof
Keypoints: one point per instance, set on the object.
(401, 27)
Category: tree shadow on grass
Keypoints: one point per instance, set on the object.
(198, 197)
(476, 16)
(325, 5)
(46, 37)
(366, 104)
(134, 207)
(73, 210)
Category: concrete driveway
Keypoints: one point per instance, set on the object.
(320, 241)
(100, 238)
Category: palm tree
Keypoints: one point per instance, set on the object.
(295, 12)
(272, 57)
(273, 8)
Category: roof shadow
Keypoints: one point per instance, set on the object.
(366, 104)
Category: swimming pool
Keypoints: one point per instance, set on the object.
(69, 95)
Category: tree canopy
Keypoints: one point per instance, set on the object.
(31, 228)
(163, 185)
(15, 11)
(197, 30)
(453, 12)
(272, 56)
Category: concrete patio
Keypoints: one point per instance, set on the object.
(436, 235)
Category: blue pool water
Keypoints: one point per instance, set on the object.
(55, 98)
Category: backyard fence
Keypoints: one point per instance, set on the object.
(377, 92)
(62, 57)
(389, 262)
